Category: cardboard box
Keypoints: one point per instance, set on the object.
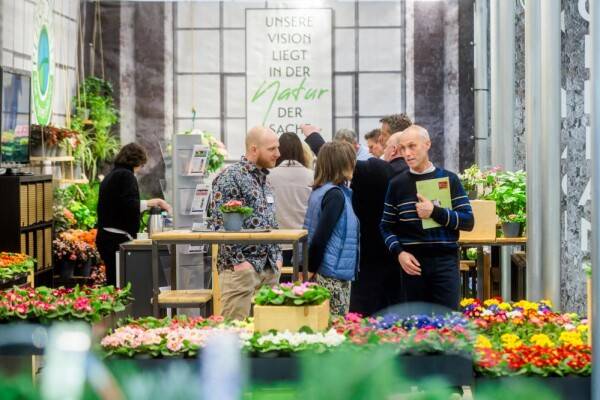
(291, 318)
(486, 219)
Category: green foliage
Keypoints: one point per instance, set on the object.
(297, 294)
(510, 195)
(472, 253)
(82, 201)
(94, 117)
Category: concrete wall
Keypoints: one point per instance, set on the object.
(575, 144)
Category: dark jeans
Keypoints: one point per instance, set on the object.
(376, 289)
(439, 282)
(107, 244)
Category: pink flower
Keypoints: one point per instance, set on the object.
(22, 308)
(299, 290)
(82, 304)
(233, 203)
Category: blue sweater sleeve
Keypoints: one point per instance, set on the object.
(389, 220)
(460, 217)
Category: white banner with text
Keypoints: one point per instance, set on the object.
(289, 69)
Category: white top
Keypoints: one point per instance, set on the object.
(292, 185)
(428, 170)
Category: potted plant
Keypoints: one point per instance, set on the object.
(14, 266)
(510, 195)
(234, 213)
(72, 252)
(291, 306)
(478, 183)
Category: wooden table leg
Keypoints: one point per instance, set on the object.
(295, 260)
(480, 268)
(155, 288)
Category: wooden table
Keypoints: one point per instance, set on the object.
(483, 274)
(295, 237)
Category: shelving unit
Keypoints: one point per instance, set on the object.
(191, 272)
(26, 221)
(66, 165)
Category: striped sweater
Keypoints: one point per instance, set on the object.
(402, 228)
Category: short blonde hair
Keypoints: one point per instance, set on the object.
(309, 156)
(333, 163)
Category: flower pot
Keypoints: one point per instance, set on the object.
(291, 318)
(233, 221)
(511, 229)
(86, 268)
(67, 267)
(472, 194)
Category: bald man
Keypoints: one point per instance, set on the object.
(245, 268)
(428, 257)
(392, 155)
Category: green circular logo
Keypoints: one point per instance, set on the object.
(43, 61)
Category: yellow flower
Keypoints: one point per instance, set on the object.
(582, 328)
(483, 342)
(510, 340)
(505, 306)
(466, 302)
(570, 337)
(526, 305)
(541, 340)
(489, 302)
(546, 302)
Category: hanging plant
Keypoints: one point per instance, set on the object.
(95, 115)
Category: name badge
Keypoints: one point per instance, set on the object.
(270, 199)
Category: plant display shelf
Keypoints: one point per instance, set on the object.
(67, 168)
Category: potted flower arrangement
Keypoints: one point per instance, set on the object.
(234, 213)
(14, 266)
(72, 252)
(291, 306)
(478, 183)
(43, 304)
(510, 195)
(217, 153)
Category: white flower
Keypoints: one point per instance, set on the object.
(296, 339)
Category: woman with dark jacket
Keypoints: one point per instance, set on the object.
(119, 206)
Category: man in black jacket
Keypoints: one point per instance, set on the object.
(378, 284)
(392, 155)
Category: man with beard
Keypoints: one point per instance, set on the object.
(245, 268)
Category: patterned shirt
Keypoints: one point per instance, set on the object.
(246, 182)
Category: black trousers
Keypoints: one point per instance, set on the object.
(376, 288)
(108, 244)
(439, 282)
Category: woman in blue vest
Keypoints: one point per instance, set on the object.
(333, 229)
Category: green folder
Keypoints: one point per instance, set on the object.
(438, 191)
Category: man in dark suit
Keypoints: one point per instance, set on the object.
(378, 284)
(392, 155)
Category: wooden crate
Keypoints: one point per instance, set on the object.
(484, 212)
(291, 318)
